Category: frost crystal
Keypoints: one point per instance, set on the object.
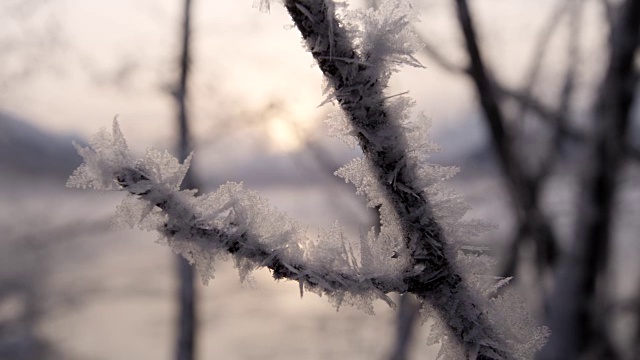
(340, 127)
(384, 38)
(107, 154)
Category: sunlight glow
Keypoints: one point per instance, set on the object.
(285, 136)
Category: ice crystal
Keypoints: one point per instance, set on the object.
(384, 38)
(341, 128)
(107, 153)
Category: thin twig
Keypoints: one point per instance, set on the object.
(564, 107)
(186, 294)
(431, 51)
(581, 328)
(523, 190)
(543, 111)
(538, 55)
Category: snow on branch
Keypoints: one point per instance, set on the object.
(421, 246)
(395, 173)
(232, 221)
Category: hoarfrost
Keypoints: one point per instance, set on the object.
(108, 153)
(236, 223)
(384, 37)
(340, 127)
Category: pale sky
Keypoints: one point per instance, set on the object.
(244, 60)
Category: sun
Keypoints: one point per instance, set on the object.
(284, 135)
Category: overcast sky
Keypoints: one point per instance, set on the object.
(118, 57)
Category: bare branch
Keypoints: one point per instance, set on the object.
(405, 324)
(538, 55)
(581, 328)
(560, 123)
(186, 294)
(545, 112)
(524, 98)
(440, 59)
(523, 189)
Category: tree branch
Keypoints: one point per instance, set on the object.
(359, 93)
(546, 113)
(523, 98)
(187, 323)
(239, 223)
(540, 49)
(523, 189)
(242, 242)
(431, 51)
(564, 107)
(579, 330)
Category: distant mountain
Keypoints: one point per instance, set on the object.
(465, 146)
(26, 150)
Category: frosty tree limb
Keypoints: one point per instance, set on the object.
(243, 243)
(410, 254)
(209, 225)
(360, 96)
(359, 92)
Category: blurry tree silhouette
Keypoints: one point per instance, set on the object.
(577, 283)
(187, 296)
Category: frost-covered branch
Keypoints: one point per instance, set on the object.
(378, 126)
(230, 221)
(419, 246)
